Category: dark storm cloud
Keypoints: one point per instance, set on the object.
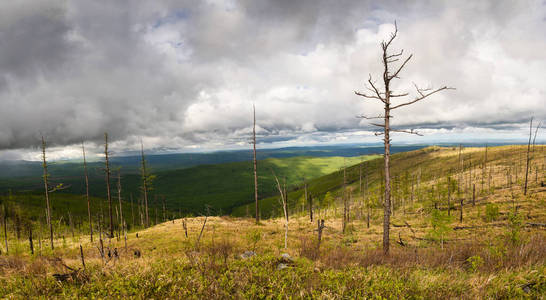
(185, 73)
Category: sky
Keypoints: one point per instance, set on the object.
(184, 75)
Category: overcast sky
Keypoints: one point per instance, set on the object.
(183, 75)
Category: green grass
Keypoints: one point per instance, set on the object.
(486, 256)
(221, 186)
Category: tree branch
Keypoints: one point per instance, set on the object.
(423, 96)
(367, 96)
(399, 95)
(411, 131)
(395, 75)
(371, 118)
(393, 36)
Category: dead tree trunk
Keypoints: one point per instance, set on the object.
(87, 193)
(5, 223)
(320, 227)
(144, 186)
(163, 202)
(256, 208)
(449, 195)
(344, 223)
(132, 211)
(528, 153)
(108, 196)
(30, 243)
(46, 187)
(285, 210)
(121, 220)
(385, 98)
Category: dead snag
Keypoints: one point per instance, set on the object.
(255, 163)
(108, 196)
(385, 97)
(528, 156)
(320, 227)
(87, 193)
(48, 207)
(285, 209)
(81, 256)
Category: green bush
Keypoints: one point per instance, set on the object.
(491, 212)
(474, 262)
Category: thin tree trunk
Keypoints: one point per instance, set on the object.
(121, 220)
(87, 193)
(255, 166)
(5, 223)
(144, 186)
(163, 200)
(528, 153)
(132, 211)
(108, 196)
(30, 243)
(46, 187)
(449, 195)
(285, 210)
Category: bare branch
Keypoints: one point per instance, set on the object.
(367, 96)
(399, 95)
(371, 118)
(378, 133)
(378, 125)
(375, 88)
(395, 55)
(423, 96)
(411, 131)
(395, 75)
(393, 36)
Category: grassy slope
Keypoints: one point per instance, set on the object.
(348, 266)
(222, 186)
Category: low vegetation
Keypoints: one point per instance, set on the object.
(495, 251)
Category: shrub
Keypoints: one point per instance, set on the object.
(475, 262)
(253, 237)
(491, 212)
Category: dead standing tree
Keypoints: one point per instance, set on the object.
(87, 193)
(255, 165)
(385, 97)
(144, 185)
(283, 202)
(46, 186)
(109, 197)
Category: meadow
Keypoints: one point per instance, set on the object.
(489, 245)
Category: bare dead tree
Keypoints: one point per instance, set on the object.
(202, 228)
(87, 192)
(121, 220)
(385, 97)
(285, 210)
(528, 155)
(255, 165)
(309, 200)
(46, 187)
(108, 196)
(132, 211)
(30, 243)
(163, 202)
(344, 223)
(5, 224)
(144, 185)
(320, 227)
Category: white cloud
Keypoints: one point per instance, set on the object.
(185, 74)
